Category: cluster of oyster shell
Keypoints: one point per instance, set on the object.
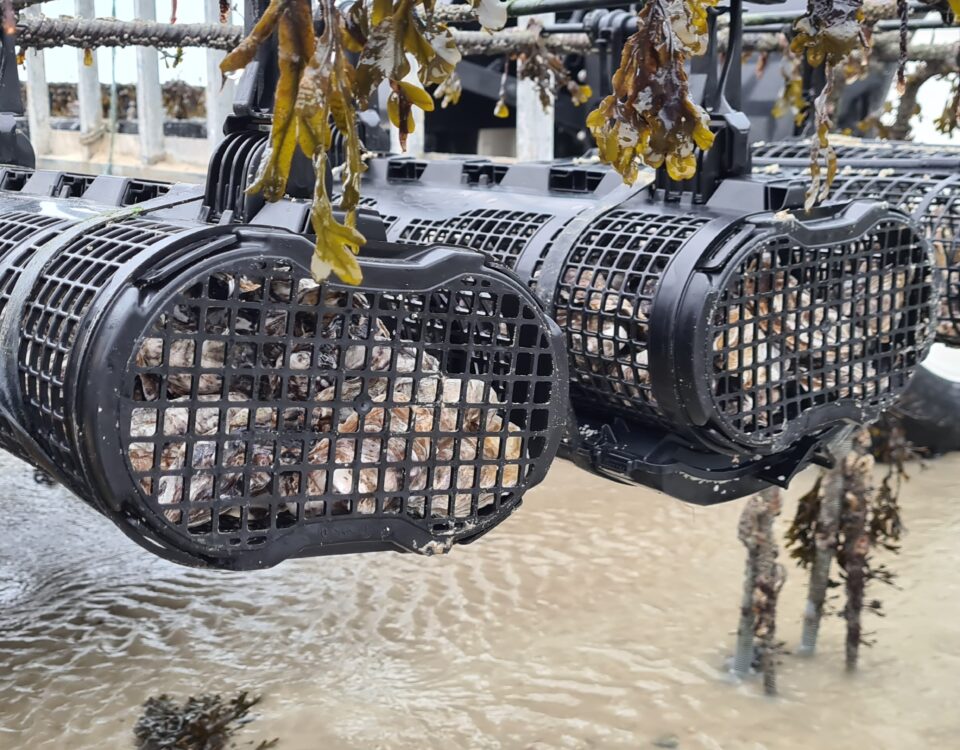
(399, 448)
(598, 315)
(782, 332)
(782, 336)
(946, 246)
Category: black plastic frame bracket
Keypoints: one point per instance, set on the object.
(15, 147)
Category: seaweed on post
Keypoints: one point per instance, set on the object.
(854, 544)
(449, 92)
(316, 85)
(546, 70)
(756, 634)
(500, 109)
(812, 539)
(846, 518)
(790, 99)
(949, 120)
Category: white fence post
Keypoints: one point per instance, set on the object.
(150, 111)
(535, 128)
(219, 96)
(38, 95)
(88, 90)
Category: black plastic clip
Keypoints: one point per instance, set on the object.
(15, 147)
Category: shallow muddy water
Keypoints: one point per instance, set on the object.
(597, 617)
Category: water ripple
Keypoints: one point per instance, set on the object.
(595, 618)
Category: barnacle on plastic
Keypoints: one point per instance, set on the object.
(650, 116)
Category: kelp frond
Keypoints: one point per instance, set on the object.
(650, 118)
(319, 91)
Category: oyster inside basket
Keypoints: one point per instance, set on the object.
(714, 349)
(257, 415)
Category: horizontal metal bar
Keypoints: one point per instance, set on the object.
(763, 22)
(891, 25)
(516, 8)
(871, 8)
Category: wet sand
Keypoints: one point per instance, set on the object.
(598, 616)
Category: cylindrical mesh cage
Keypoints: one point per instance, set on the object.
(756, 334)
(849, 148)
(940, 217)
(741, 334)
(198, 387)
(25, 226)
(920, 179)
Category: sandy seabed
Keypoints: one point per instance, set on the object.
(598, 616)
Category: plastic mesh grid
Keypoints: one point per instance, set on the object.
(854, 149)
(905, 189)
(258, 401)
(20, 233)
(942, 223)
(501, 234)
(936, 192)
(56, 306)
(901, 189)
(797, 327)
(365, 202)
(604, 301)
(534, 282)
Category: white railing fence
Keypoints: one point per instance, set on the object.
(151, 149)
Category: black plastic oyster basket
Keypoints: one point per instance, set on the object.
(868, 150)
(28, 222)
(940, 217)
(197, 386)
(920, 179)
(21, 232)
(712, 350)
